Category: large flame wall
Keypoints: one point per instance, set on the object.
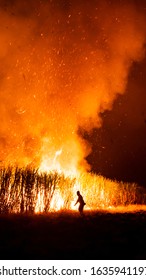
(25, 190)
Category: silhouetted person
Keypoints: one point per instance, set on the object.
(81, 202)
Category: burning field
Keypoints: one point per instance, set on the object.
(31, 191)
(39, 220)
(64, 63)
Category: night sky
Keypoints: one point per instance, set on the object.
(120, 144)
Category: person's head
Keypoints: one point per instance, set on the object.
(78, 193)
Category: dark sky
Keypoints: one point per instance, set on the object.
(119, 146)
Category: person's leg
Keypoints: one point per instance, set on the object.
(81, 210)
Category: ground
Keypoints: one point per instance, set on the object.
(66, 235)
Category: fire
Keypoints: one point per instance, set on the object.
(28, 190)
(64, 71)
(99, 193)
(63, 160)
(56, 80)
(57, 202)
(48, 164)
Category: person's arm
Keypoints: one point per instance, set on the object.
(76, 202)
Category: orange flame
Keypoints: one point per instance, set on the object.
(62, 73)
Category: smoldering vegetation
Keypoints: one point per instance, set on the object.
(27, 190)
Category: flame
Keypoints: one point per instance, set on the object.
(27, 190)
(48, 164)
(56, 80)
(99, 194)
(62, 73)
(57, 202)
(62, 160)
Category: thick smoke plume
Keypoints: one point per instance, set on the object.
(62, 64)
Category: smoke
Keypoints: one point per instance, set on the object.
(62, 64)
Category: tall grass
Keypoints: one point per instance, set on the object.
(101, 192)
(26, 190)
